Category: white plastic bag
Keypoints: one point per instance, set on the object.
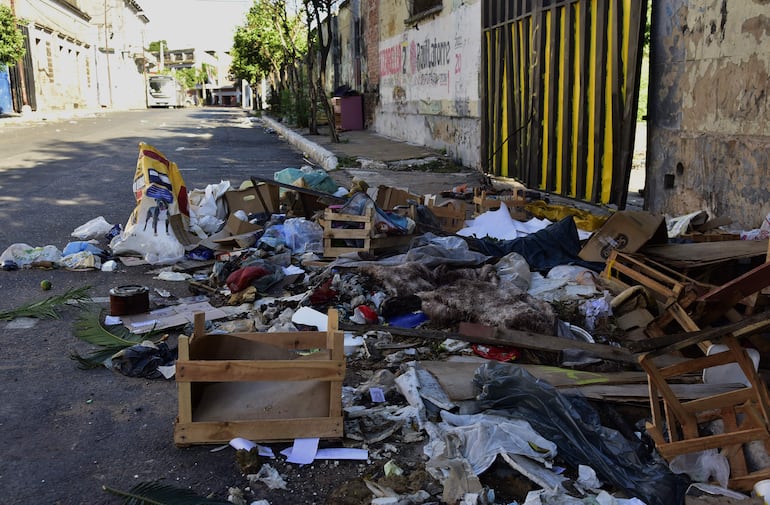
(95, 228)
(24, 254)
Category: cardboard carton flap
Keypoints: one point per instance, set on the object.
(626, 231)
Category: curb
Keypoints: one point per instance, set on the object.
(325, 158)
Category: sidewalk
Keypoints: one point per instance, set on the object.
(378, 160)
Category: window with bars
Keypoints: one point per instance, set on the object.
(49, 58)
(419, 9)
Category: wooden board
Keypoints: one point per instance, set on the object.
(705, 253)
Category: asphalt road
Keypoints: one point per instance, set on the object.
(65, 432)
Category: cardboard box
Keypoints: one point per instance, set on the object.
(625, 231)
(235, 226)
(253, 199)
(388, 198)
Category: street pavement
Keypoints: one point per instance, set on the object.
(369, 156)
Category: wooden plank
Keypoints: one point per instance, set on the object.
(184, 391)
(705, 253)
(530, 340)
(266, 430)
(258, 370)
(298, 340)
(732, 292)
(672, 449)
(719, 401)
(670, 343)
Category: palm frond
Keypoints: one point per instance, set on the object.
(156, 493)
(96, 358)
(47, 309)
(89, 328)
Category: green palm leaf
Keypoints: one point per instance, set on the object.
(96, 358)
(89, 328)
(156, 493)
(47, 309)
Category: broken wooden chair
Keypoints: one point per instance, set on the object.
(674, 292)
(677, 426)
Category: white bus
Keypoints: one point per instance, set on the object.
(165, 91)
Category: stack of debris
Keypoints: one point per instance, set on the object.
(482, 329)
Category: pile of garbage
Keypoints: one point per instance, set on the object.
(488, 344)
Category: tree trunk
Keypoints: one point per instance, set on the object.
(328, 110)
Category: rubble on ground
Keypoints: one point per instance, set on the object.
(479, 329)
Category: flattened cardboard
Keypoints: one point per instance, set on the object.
(626, 231)
(235, 226)
(168, 317)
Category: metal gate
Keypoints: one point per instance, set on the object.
(559, 94)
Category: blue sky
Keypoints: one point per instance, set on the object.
(206, 24)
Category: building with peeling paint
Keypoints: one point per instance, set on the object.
(416, 63)
(709, 115)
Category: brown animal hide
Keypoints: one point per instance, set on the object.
(486, 303)
(401, 280)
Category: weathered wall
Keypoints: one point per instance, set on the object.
(709, 116)
(428, 78)
(61, 47)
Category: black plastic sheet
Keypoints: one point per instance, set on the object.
(557, 244)
(573, 425)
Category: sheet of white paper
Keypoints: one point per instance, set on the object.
(335, 453)
(342, 453)
(110, 320)
(247, 445)
(377, 395)
(303, 451)
(311, 317)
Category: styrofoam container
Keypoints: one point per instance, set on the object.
(730, 373)
(762, 490)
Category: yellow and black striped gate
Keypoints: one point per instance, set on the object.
(560, 89)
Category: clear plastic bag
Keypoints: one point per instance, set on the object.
(303, 236)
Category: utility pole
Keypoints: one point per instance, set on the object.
(160, 68)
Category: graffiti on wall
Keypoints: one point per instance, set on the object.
(422, 69)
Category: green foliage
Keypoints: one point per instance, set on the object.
(294, 107)
(11, 38)
(48, 308)
(268, 41)
(156, 493)
(109, 339)
(155, 46)
(188, 77)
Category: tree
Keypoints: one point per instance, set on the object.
(319, 14)
(155, 46)
(270, 44)
(11, 38)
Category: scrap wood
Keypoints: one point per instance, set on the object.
(705, 253)
(456, 377)
(482, 334)
(539, 342)
(669, 343)
(640, 392)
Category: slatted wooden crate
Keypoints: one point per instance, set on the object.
(349, 233)
(484, 202)
(257, 386)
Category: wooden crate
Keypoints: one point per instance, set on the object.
(484, 202)
(349, 233)
(257, 386)
(452, 215)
